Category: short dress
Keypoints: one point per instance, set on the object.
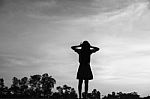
(84, 70)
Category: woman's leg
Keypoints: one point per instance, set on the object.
(86, 86)
(80, 87)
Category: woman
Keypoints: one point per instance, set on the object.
(84, 71)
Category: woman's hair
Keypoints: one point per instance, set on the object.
(86, 44)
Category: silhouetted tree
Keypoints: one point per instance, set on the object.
(95, 94)
(35, 85)
(3, 89)
(24, 87)
(60, 90)
(47, 84)
(1, 86)
(59, 94)
(65, 92)
(120, 95)
(73, 94)
(67, 89)
(15, 87)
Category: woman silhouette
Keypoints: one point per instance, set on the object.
(84, 71)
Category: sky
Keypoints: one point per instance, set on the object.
(36, 36)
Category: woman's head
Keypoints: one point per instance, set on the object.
(86, 45)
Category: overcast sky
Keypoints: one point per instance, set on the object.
(36, 36)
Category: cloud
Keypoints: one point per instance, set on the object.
(127, 61)
(10, 61)
(67, 9)
(62, 9)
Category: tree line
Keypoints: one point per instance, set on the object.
(37, 86)
(40, 86)
(121, 95)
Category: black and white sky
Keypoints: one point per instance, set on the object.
(36, 36)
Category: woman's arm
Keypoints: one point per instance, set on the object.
(75, 47)
(94, 49)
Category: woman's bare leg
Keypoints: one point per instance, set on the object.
(86, 87)
(80, 87)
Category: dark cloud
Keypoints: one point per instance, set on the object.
(80, 8)
(1, 3)
(62, 8)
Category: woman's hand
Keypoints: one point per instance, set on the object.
(76, 47)
(95, 48)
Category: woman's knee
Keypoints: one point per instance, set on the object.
(81, 81)
(86, 82)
